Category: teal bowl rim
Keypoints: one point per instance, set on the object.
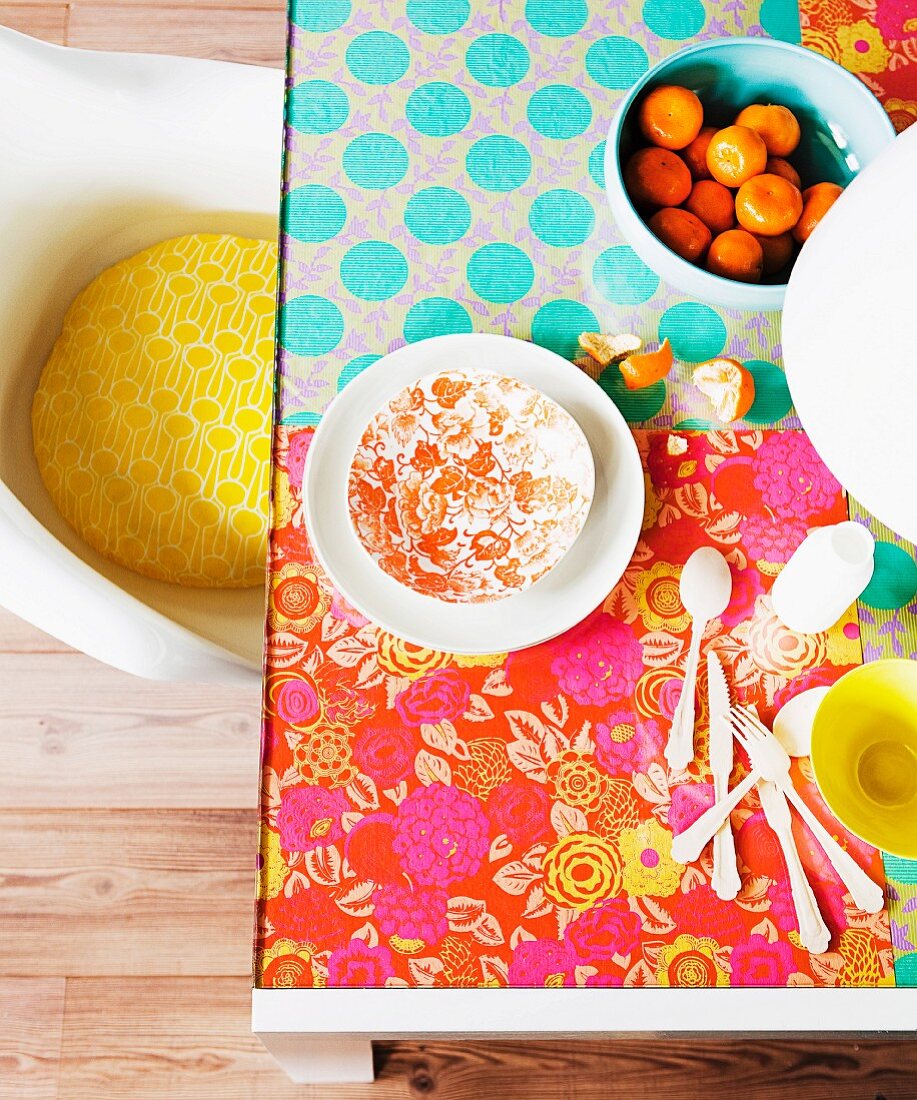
(668, 265)
(853, 673)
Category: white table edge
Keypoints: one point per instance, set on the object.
(325, 1035)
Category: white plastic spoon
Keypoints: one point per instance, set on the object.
(705, 589)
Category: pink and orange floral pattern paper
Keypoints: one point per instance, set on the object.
(437, 820)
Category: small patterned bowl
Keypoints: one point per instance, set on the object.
(469, 486)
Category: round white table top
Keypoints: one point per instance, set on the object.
(850, 338)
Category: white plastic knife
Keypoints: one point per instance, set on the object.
(726, 882)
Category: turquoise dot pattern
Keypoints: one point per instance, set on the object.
(377, 57)
(438, 215)
(497, 60)
(431, 156)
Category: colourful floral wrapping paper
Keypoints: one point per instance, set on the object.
(430, 819)
(442, 181)
(877, 40)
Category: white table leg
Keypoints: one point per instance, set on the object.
(313, 1061)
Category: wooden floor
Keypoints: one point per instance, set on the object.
(127, 836)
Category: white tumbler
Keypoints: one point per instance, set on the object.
(828, 571)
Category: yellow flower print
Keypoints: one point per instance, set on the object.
(862, 48)
(324, 755)
(577, 780)
(286, 964)
(283, 503)
(403, 658)
(581, 870)
(658, 600)
(649, 868)
(272, 873)
(841, 649)
(690, 962)
(298, 600)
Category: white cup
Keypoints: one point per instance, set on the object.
(828, 571)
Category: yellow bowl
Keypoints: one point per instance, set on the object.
(864, 754)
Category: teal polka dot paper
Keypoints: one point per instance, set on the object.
(444, 173)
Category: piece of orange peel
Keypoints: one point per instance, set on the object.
(728, 384)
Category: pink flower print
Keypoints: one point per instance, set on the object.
(418, 913)
(535, 961)
(791, 478)
(360, 966)
(782, 911)
(310, 817)
(297, 702)
(746, 588)
(771, 540)
(759, 848)
(441, 835)
(441, 695)
(688, 802)
(609, 929)
(520, 811)
(385, 755)
(625, 744)
(296, 457)
(814, 677)
(757, 962)
(599, 662)
(701, 913)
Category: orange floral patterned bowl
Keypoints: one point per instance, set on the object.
(469, 486)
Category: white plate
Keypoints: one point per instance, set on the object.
(850, 338)
(574, 588)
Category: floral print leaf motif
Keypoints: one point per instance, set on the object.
(463, 914)
(324, 865)
(568, 819)
(426, 972)
(349, 651)
(356, 901)
(516, 877)
(479, 710)
(495, 970)
(363, 793)
(660, 649)
(500, 848)
(488, 931)
(432, 769)
(442, 736)
(495, 683)
(693, 499)
(285, 649)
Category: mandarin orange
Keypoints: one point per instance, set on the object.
(777, 166)
(695, 154)
(657, 177)
(816, 202)
(778, 251)
(681, 231)
(729, 385)
(713, 204)
(777, 126)
(736, 254)
(648, 367)
(671, 117)
(768, 205)
(735, 154)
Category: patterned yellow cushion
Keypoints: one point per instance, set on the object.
(151, 421)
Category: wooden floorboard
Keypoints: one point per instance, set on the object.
(31, 1020)
(76, 733)
(129, 892)
(232, 34)
(47, 21)
(16, 635)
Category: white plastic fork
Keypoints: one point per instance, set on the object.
(770, 759)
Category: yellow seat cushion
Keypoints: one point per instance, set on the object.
(151, 422)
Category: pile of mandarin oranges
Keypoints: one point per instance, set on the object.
(729, 198)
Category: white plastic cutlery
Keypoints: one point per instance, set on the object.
(705, 588)
(726, 882)
(813, 932)
(687, 846)
(770, 760)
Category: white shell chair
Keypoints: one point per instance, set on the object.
(102, 155)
